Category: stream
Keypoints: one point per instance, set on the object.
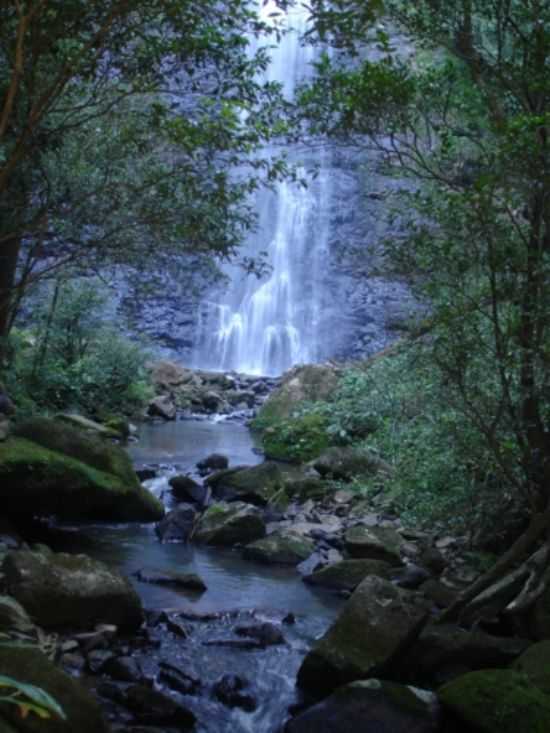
(239, 592)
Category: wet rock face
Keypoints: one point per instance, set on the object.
(178, 524)
(252, 484)
(280, 548)
(70, 591)
(371, 705)
(231, 690)
(230, 524)
(184, 488)
(378, 623)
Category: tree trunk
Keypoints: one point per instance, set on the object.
(9, 255)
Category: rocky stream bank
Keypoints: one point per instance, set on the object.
(370, 655)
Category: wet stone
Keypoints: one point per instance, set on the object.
(229, 690)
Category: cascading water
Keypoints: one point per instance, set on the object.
(264, 325)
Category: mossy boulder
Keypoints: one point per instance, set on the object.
(371, 705)
(29, 665)
(251, 484)
(375, 629)
(280, 548)
(497, 701)
(296, 439)
(70, 591)
(346, 462)
(535, 664)
(230, 524)
(374, 543)
(305, 488)
(347, 574)
(50, 467)
(308, 383)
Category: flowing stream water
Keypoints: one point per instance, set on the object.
(264, 325)
(239, 591)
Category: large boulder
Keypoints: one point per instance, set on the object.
(376, 627)
(374, 543)
(347, 462)
(534, 663)
(301, 383)
(497, 701)
(280, 548)
(347, 574)
(251, 484)
(29, 665)
(230, 524)
(70, 591)
(371, 705)
(49, 467)
(177, 525)
(162, 406)
(184, 488)
(444, 651)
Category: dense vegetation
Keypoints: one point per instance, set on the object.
(120, 125)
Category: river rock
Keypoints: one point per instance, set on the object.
(347, 574)
(213, 462)
(281, 547)
(230, 690)
(172, 579)
(154, 707)
(28, 664)
(346, 462)
(374, 543)
(444, 651)
(497, 701)
(309, 382)
(48, 467)
(267, 634)
(372, 633)
(84, 423)
(178, 680)
(371, 705)
(252, 484)
(306, 488)
(184, 488)
(177, 525)
(123, 669)
(162, 406)
(534, 663)
(230, 524)
(70, 591)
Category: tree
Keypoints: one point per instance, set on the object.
(469, 119)
(120, 126)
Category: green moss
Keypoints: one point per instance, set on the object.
(497, 701)
(37, 480)
(296, 439)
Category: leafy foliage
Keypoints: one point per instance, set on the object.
(29, 699)
(71, 359)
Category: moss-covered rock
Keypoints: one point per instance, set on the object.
(347, 574)
(50, 467)
(27, 664)
(302, 383)
(306, 487)
(280, 548)
(230, 524)
(371, 705)
(347, 462)
(377, 626)
(497, 701)
(296, 439)
(374, 543)
(535, 664)
(70, 591)
(251, 484)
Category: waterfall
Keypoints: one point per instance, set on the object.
(265, 324)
